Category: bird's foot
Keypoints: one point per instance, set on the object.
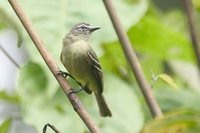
(65, 74)
(74, 91)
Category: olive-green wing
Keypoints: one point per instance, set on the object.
(96, 69)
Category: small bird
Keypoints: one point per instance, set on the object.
(82, 63)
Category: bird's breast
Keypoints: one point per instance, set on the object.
(74, 58)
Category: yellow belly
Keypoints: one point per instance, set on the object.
(74, 58)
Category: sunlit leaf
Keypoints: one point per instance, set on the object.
(169, 80)
(175, 122)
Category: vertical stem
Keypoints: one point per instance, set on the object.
(191, 23)
(133, 60)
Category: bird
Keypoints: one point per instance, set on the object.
(82, 63)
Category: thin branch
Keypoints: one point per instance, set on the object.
(52, 127)
(9, 57)
(53, 68)
(133, 60)
(191, 23)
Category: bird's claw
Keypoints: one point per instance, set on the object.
(74, 91)
(64, 74)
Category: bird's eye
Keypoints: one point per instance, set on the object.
(82, 27)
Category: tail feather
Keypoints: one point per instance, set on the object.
(103, 108)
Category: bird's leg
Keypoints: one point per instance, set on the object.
(51, 126)
(65, 74)
(85, 88)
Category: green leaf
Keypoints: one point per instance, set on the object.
(184, 121)
(5, 126)
(154, 41)
(8, 97)
(167, 79)
(113, 53)
(125, 107)
(152, 35)
(32, 80)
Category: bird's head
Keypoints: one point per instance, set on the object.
(83, 30)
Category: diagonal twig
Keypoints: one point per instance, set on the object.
(133, 60)
(9, 57)
(78, 107)
(191, 23)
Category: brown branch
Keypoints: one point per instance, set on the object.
(133, 60)
(191, 23)
(9, 57)
(53, 68)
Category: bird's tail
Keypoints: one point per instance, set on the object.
(103, 108)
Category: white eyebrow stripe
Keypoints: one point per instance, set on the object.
(84, 25)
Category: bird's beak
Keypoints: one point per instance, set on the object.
(94, 28)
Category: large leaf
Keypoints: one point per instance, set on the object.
(175, 122)
(32, 80)
(154, 41)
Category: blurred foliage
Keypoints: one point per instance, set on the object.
(9, 97)
(178, 99)
(5, 126)
(160, 40)
(62, 111)
(192, 81)
(154, 41)
(179, 122)
(196, 4)
(53, 19)
(8, 22)
(166, 78)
